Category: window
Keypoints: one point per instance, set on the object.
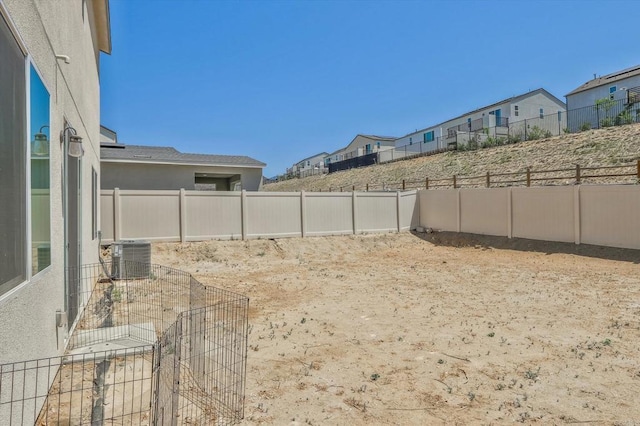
(13, 162)
(410, 141)
(40, 176)
(94, 203)
(613, 89)
(541, 113)
(515, 110)
(428, 137)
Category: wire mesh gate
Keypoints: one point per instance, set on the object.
(160, 348)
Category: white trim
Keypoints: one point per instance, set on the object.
(173, 163)
(27, 142)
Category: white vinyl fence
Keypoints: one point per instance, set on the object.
(605, 215)
(202, 215)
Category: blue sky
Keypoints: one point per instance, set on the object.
(282, 80)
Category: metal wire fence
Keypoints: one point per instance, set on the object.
(160, 348)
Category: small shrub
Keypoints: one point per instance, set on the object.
(606, 122)
(535, 133)
(624, 117)
(514, 138)
(585, 126)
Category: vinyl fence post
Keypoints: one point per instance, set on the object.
(509, 215)
(303, 214)
(117, 224)
(183, 215)
(243, 210)
(576, 213)
(399, 221)
(354, 212)
(458, 212)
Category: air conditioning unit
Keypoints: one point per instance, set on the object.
(130, 259)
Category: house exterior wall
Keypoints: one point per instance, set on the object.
(28, 312)
(418, 137)
(357, 147)
(530, 107)
(505, 109)
(310, 163)
(141, 176)
(590, 96)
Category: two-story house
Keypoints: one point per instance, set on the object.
(493, 119)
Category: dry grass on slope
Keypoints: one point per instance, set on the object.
(604, 147)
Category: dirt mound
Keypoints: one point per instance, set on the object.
(605, 147)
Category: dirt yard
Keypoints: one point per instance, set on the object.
(431, 328)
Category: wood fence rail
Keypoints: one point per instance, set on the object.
(525, 177)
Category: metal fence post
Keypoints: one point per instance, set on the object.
(528, 176)
(455, 185)
(577, 173)
(638, 168)
(404, 185)
(525, 129)
(426, 180)
(488, 180)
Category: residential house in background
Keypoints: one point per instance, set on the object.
(107, 135)
(156, 168)
(367, 144)
(309, 166)
(491, 120)
(605, 101)
(359, 152)
(49, 168)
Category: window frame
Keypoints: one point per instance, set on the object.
(18, 283)
(31, 64)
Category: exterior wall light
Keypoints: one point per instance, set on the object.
(75, 142)
(40, 143)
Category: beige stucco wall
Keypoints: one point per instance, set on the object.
(168, 176)
(28, 313)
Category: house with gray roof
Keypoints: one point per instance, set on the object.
(157, 168)
(496, 117)
(604, 101)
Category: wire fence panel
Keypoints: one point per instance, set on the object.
(175, 355)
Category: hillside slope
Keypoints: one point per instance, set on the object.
(604, 147)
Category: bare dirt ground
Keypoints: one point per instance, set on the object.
(431, 328)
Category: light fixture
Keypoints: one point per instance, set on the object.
(40, 144)
(75, 142)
